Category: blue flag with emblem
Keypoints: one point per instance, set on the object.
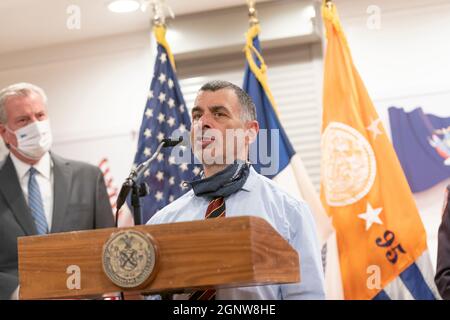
(421, 141)
(164, 114)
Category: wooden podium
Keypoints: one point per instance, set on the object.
(226, 252)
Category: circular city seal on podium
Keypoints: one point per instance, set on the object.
(129, 258)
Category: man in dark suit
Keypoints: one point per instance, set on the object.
(40, 192)
(442, 278)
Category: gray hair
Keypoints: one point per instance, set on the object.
(247, 105)
(22, 89)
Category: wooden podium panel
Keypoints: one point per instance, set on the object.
(226, 252)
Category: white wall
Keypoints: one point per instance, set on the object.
(223, 31)
(97, 92)
(405, 64)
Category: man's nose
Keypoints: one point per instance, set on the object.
(205, 122)
(206, 126)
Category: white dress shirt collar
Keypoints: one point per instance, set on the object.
(43, 166)
(251, 180)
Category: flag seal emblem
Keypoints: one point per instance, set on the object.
(130, 258)
(441, 145)
(348, 164)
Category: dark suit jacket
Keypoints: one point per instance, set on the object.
(442, 278)
(80, 203)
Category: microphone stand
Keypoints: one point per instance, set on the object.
(138, 191)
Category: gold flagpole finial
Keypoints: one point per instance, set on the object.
(252, 12)
(158, 18)
(160, 11)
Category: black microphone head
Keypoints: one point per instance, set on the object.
(171, 143)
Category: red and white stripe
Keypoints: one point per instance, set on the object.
(125, 216)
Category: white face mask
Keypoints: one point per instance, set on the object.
(33, 140)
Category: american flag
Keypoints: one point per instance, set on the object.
(165, 112)
(109, 181)
(125, 215)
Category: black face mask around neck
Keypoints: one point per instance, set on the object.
(223, 183)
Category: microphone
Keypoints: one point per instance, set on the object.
(124, 191)
(137, 173)
(171, 142)
(178, 141)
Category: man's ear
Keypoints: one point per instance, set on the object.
(252, 130)
(2, 129)
(3, 133)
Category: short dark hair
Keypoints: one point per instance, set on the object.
(246, 102)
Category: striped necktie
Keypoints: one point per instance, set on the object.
(216, 209)
(35, 203)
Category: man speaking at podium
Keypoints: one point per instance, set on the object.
(223, 126)
(40, 192)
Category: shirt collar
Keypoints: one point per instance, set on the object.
(43, 166)
(251, 179)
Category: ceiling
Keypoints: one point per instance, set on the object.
(26, 24)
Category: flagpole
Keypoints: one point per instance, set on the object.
(158, 19)
(252, 13)
(160, 28)
(253, 55)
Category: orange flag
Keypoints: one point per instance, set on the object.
(379, 231)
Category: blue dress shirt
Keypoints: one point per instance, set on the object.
(292, 218)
